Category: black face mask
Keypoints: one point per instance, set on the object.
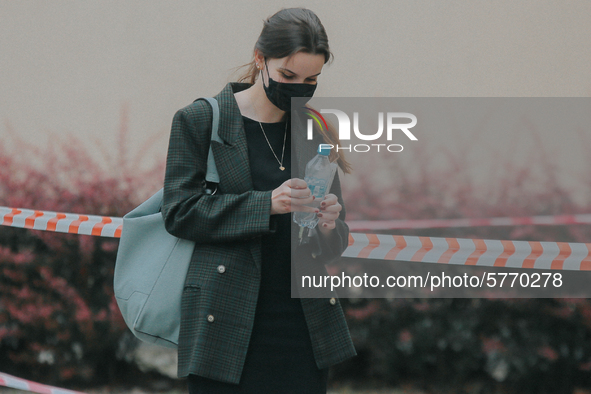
(280, 93)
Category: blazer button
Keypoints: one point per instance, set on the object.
(210, 318)
(221, 269)
(333, 301)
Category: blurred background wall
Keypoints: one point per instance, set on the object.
(69, 67)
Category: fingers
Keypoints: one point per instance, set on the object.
(299, 192)
(330, 205)
(291, 196)
(303, 208)
(330, 200)
(281, 199)
(326, 227)
(327, 217)
(296, 183)
(329, 212)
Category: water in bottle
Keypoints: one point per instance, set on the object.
(319, 174)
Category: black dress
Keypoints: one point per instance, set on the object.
(280, 358)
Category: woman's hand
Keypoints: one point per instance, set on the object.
(329, 212)
(291, 197)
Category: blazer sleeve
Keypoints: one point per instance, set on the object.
(187, 210)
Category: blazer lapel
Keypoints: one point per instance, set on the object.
(231, 157)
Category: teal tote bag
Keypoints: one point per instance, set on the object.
(152, 264)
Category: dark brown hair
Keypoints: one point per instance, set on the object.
(287, 32)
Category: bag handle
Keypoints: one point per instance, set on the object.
(212, 171)
(211, 176)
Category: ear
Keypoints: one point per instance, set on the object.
(259, 58)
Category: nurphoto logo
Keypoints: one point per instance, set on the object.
(393, 126)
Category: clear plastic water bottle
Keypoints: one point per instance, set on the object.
(319, 175)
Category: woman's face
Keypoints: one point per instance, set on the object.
(299, 68)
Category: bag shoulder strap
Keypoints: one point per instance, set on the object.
(212, 171)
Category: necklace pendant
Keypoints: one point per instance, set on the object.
(281, 168)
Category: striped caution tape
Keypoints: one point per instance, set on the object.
(26, 385)
(111, 226)
(481, 252)
(72, 223)
(364, 225)
(476, 252)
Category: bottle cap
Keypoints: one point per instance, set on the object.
(324, 149)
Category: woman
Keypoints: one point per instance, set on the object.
(241, 332)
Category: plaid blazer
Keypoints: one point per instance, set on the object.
(221, 288)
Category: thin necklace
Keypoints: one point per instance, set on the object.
(268, 143)
(272, 151)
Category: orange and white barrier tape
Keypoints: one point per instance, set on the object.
(476, 252)
(107, 226)
(26, 385)
(364, 225)
(72, 223)
(480, 252)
